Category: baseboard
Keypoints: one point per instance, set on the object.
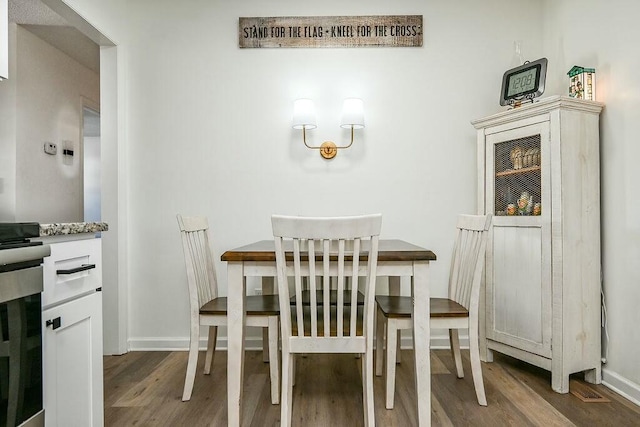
(621, 385)
(182, 344)
(438, 341)
(255, 343)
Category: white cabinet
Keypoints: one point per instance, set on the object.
(539, 174)
(72, 334)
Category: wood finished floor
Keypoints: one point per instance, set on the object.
(144, 389)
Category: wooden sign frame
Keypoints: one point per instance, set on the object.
(330, 31)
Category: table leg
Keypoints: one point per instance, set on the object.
(236, 285)
(267, 289)
(421, 338)
(394, 289)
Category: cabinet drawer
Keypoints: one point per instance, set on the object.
(73, 269)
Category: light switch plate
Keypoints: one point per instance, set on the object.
(50, 148)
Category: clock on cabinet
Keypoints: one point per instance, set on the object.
(525, 82)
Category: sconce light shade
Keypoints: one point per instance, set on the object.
(304, 114)
(304, 117)
(352, 113)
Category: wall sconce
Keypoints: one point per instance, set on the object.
(304, 117)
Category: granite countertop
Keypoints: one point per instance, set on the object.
(65, 228)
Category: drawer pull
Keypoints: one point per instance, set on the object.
(83, 267)
(55, 323)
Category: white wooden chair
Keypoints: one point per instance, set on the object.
(210, 310)
(342, 248)
(459, 311)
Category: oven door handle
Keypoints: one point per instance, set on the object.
(83, 267)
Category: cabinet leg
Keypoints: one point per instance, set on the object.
(487, 356)
(559, 383)
(593, 376)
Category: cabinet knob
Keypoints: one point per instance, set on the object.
(55, 323)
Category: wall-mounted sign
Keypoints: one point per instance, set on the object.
(331, 31)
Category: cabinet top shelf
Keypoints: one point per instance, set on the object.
(518, 171)
(542, 106)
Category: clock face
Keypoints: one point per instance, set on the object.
(523, 82)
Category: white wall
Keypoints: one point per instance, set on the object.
(50, 88)
(207, 126)
(209, 133)
(8, 137)
(604, 35)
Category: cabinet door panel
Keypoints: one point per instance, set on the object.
(518, 292)
(72, 364)
(519, 295)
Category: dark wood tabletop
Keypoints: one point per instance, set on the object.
(388, 250)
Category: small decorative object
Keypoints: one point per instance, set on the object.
(525, 203)
(516, 158)
(582, 83)
(537, 209)
(511, 209)
(531, 157)
(523, 83)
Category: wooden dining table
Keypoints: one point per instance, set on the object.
(396, 259)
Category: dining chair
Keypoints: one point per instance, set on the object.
(458, 311)
(210, 310)
(319, 249)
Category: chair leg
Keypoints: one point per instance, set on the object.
(392, 336)
(266, 342)
(367, 389)
(380, 324)
(193, 361)
(476, 367)
(211, 349)
(273, 359)
(287, 389)
(454, 342)
(293, 375)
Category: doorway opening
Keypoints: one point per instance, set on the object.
(91, 163)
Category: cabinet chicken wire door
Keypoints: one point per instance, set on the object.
(518, 262)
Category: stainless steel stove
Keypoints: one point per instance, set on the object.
(21, 325)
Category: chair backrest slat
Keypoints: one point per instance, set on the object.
(354, 285)
(340, 308)
(326, 287)
(468, 258)
(298, 286)
(332, 249)
(313, 287)
(201, 274)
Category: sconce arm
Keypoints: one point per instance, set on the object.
(304, 139)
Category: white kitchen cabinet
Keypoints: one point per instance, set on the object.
(72, 334)
(542, 275)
